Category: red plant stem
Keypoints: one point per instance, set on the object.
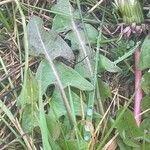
(138, 89)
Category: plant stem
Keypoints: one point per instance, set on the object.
(138, 89)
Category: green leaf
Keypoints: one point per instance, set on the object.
(104, 89)
(128, 129)
(81, 66)
(92, 35)
(145, 54)
(145, 83)
(73, 145)
(53, 43)
(61, 23)
(68, 76)
(47, 140)
(106, 64)
(5, 21)
(122, 145)
(127, 54)
(145, 125)
(29, 92)
(53, 126)
(62, 7)
(145, 104)
(57, 104)
(29, 118)
(147, 146)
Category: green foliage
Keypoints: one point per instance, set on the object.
(47, 144)
(38, 38)
(128, 130)
(68, 76)
(29, 118)
(145, 126)
(73, 145)
(105, 91)
(127, 54)
(145, 83)
(58, 108)
(146, 103)
(5, 20)
(29, 92)
(41, 107)
(62, 6)
(61, 22)
(122, 145)
(56, 47)
(106, 64)
(145, 57)
(91, 34)
(53, 126)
